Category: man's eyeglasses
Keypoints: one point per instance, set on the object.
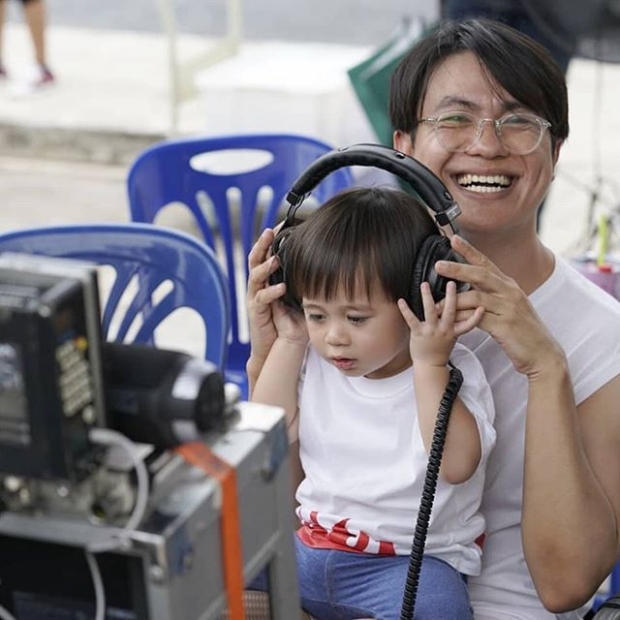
(519, 134)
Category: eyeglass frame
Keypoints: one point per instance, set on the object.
(544, 125)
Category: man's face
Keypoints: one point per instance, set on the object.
(497, 191)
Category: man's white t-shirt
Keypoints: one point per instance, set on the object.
(586, 322)
(365, 463)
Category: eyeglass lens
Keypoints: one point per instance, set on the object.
(519, 134)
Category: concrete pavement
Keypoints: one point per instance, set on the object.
(114, 92)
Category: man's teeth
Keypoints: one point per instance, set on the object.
(483, 183)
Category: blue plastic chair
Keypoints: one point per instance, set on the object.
(156, 272)
(228, 202)
(612, 590)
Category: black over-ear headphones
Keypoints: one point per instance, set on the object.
(426, 185)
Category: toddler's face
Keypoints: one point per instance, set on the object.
(359, 336)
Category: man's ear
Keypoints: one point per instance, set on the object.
(402, 142)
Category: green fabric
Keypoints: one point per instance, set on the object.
(371, 78)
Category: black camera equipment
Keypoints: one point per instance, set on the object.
(102, 513)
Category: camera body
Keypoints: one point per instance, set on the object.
(62, 493)
(50, 375)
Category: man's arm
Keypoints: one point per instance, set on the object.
(571, 487)
(571, 494)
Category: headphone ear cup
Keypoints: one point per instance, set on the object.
(278, 248)
(434, 248)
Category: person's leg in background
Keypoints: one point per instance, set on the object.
(35, 16)
(2, 18)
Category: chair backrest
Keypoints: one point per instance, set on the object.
(152, 272)
(231, 195)
(611, 590)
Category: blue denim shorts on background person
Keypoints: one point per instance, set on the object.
(341, 585)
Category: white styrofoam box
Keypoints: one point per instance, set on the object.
(274, 86)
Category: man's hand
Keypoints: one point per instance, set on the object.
(508, 316)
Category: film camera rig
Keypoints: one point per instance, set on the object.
(102, 513)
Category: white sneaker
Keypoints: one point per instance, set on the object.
(38, 80)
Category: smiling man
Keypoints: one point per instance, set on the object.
(485, 108)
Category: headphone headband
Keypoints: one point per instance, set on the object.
(422, 180)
